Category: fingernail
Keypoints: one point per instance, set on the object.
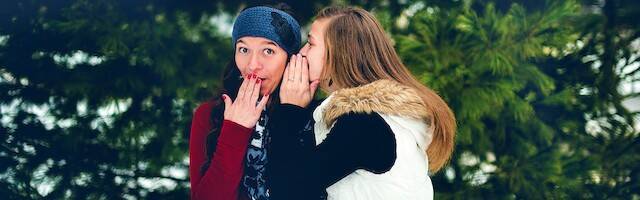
(224, 97)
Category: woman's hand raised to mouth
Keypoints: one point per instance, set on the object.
(244, 110)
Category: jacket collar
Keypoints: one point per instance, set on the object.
(381, 96)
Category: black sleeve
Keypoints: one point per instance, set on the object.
(357, 141)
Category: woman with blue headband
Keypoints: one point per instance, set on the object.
(229, 136)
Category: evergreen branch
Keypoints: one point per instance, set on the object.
(616, 189)
(631, 73)
(635, 142)
(632, 95)
(29, 189)
(147, 175)
(10, 150)
(591, 43)
(630, 39)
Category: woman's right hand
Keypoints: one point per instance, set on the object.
(244, 110)
(295, 87)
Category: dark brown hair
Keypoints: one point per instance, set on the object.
(231, 81)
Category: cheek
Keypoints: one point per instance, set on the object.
(274, 73)
(276, 66)
(241, 62)
(316, 64)
(314, 72)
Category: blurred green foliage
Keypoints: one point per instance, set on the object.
(97, 96)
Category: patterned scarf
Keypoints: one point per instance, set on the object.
(256, 161)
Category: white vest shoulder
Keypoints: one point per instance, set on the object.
(403, 110)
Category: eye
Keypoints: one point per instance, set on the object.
(269, 51)
(243, 50)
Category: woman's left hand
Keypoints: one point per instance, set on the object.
(295, 87)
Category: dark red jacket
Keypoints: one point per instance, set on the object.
(221, 181)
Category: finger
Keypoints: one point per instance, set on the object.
(227, 101)
(292, 68)
(256, 92)
(263, 103)
(305, 71)
(285, 76)
(243, 87)
(298, 69)
(251, 85)
(313, 86)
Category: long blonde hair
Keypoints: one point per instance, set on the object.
(359, 52)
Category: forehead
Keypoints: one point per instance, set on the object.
(317, 28)
(250, 40)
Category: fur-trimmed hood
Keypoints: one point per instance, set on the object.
(382, 96)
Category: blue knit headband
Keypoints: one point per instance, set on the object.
(270, 23)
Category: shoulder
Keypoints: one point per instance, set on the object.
(370, 136)
(382, 96)
(367, 126)
(359, 118)
(202, 113)
(362, 123)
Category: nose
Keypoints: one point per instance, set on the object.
(305, 50)
(254, 63)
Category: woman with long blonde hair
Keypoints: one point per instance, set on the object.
(379, 133)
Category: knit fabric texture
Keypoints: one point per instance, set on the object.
(270, 23)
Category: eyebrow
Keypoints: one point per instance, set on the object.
(268, 43)
(272, 43)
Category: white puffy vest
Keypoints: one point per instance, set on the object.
(407, 179)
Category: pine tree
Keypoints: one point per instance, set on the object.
(516, 81)
(96, 97)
